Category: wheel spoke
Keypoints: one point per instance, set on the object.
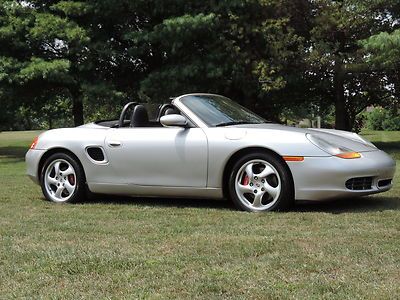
(257, 200)
(59, 192)
(70, 188)
(68, 171)
(272, 191)
(57, 168)
(52, 180)
(244, 189)
(266, 172)
(249, 170)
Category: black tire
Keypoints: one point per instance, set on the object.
(79, 192)
(282, 202)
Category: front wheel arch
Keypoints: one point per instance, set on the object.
(52, 151)
(242, 152)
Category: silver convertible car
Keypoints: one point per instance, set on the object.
(206, 146)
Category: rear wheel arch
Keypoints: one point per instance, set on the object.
(242, 152)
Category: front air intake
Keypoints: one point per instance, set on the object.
(359, 183)
(385, 182)
(96, 153)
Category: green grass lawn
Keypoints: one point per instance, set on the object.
(158, 248)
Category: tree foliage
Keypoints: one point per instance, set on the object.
(384, 54)
(272, 56)
(336, 59)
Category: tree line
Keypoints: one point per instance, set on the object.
(276, 57)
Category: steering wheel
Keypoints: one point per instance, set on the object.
(123, 113)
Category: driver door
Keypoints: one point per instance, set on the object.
(158, 156)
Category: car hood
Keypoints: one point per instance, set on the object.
(342, 138)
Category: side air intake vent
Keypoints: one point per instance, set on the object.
(359, 183)
(96, 153)
(383, 183)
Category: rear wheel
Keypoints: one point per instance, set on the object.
(62, 179)
(261, 182)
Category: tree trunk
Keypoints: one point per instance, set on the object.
(341, 117)
(396, 106)
(77, 107)
(28, 123)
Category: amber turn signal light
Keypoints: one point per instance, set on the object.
(34, 143)
(293, 158)
(349, 155)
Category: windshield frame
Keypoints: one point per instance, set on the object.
(202, 123)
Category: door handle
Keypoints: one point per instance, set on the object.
(114, 143)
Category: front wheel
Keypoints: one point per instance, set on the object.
(62, 179)
(261, 182)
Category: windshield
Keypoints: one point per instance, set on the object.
(220, 111)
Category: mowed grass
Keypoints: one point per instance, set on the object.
(160, 248)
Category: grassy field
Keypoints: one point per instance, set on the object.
(158, 248)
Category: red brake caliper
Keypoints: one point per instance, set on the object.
(245, 180)
(71, 179)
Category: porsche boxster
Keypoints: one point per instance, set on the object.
(206, 146)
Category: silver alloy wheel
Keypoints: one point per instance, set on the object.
(60, 180)
(258, 185)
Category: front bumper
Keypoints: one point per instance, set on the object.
(32, 159)
(321, 178)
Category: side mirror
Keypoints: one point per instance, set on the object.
(173, 121)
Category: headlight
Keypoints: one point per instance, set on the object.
(331, 148)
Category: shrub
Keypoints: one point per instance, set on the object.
(382, 119)
(392, 123)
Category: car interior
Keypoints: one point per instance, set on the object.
(136, 115)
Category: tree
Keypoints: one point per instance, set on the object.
(51, 48)
(384, 55)
(269, 55)
(336, 59)
(238, 48)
